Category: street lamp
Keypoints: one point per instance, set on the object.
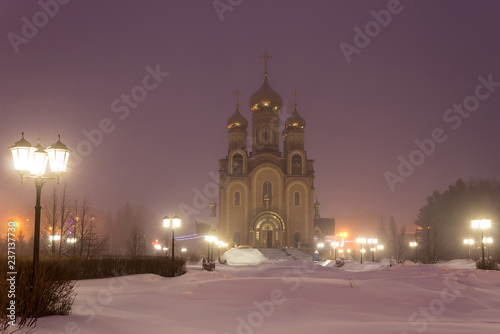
(54, 237)
(379, 247)
(373, 241)
(488, 240)
(335, 245)
(210, 240)
(468, 242)
(481, 224)
(172, 224)
(413, 244)
(361, 241)
(30, 162)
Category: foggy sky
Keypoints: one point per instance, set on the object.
(363, 111)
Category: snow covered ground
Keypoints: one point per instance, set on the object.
(290, 297)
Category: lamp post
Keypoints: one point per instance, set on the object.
(481, 224)
(172, 224)
(468, 242)
(335, 245)
(380, 247)
(413, 244)
(30, 162)
(361, 241)
(373, 242)
(210, 250)
(488, 240)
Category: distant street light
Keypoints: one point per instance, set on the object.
(488, 240)
(481, 224)
(54, 237)
(373, 241)
(361, 241)
(30, 162)
(172, 224)
(210, 240)
(413, 244)
(335, 245)
(468, 242)
(380, 247)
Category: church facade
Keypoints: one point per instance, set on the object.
(266, 197)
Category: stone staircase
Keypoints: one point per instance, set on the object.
(283, 253)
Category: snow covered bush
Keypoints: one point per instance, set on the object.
(51, 294)
(488, 265)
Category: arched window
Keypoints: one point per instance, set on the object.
(237, 164)
(267, 192)
(237, 198)
(296, 164)
(276, 135)
(296, 199)
(266, 135)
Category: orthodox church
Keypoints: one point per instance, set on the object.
(266, 197)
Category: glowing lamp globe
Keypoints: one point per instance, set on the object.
(58, 157)
(39, 160)
(176, 222)
(22, 154)
(166, 221)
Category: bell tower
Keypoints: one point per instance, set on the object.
(265, 104)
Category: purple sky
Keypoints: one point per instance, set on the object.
(361, 116)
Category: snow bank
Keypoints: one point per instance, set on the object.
(245, 256)
(367, 266)
(293, 297)
(458, 264)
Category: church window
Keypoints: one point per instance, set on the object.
(275, 135)
(237, 164)
(296, 200)
(237, 198)
(266, 136)
(296, 164)
(267, 192)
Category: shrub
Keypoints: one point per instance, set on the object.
(488, 265)
(194, 257)
(51, 294)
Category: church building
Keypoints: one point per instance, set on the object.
(266, 197)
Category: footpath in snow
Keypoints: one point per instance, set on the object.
(293, 297)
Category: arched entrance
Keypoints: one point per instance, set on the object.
(267, 229)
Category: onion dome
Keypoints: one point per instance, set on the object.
(295, 121)
(237, 121)
(265, 98)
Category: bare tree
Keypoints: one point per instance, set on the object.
(397, 240)
(51, 215)
(64, 215)
(136, 244)
(89, 232)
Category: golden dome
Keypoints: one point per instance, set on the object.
(237, 121)
(265, 98)
(295, 121)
